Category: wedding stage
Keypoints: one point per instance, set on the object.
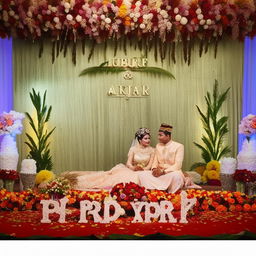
(81, 81)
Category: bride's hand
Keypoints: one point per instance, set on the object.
(138, 168)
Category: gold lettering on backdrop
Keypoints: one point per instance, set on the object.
(145, 90)
(129, 91)
(136, 91)
(128, 62)
(122, 90)
(111, 91)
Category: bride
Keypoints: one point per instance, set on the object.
(140, 158)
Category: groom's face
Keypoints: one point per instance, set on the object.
(163, 138)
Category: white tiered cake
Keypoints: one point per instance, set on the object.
(246, 159)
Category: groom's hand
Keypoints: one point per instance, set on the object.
(157, 172)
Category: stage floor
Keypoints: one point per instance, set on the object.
(206, 225)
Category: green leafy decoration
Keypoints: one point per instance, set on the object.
(215, 128)
(102, 68)
(39, 147)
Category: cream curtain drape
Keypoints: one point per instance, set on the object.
(95, 131)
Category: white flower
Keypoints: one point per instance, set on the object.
(206, 26)
(228, 165)
(78, 18)
(132, 15)
(200, 16)
(48, 12)
(11, 13)
(108, 20)
(69, 17)
(168, 7)
(137, 15)
(102, 16)
(202, 22)
(138, 3)
(142, 25)
(67, 5)
(164, 13)
(54, 9)
(94, 16)
(198, 11)
(178, 17)
(208, 22)
(135, 19)
(176, 10)
(184, 21)
(29, 14)
(145, 16)
(56, 19)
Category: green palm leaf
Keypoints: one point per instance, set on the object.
(215, 129)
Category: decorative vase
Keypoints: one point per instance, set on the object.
(227, 182)
(8, 158)
(28, 180)
(251, 188)
(9, 184)
(240, 187)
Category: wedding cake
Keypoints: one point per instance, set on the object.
(246, 159)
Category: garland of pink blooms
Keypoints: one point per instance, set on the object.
(155, 23)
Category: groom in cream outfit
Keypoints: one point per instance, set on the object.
(166, 173)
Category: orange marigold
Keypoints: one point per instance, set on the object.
(247, 207)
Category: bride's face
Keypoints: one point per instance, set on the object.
(145, 141)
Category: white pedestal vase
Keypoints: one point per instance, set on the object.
(28, 173)
(8, 161)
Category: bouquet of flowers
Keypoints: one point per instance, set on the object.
(244, 176)
(11, 122)
(57, 187)
(9, 175)
(248, 125)
(128, 192)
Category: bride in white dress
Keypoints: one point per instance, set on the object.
(140, 158)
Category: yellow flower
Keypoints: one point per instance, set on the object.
(44, 176)
(122, 11)
(213, 165)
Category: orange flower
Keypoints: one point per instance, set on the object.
(232, 208)
(253, 208)
(9, 122)
(239, 208)
(231, 200)
(215, 204)
(205, 207)
(247, 208)
(127, 21)
(221, 208)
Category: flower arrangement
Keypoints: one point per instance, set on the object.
(211, 175)
(9, 175)
(244, 176)
(151, 22)
(11, 123)
(206, 200)
(59, 186)
(44, 176)
(128, 192)
(248, 125)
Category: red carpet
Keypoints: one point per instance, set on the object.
(27, 223)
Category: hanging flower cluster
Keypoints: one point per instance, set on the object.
(152, 22)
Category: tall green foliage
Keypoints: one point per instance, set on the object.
(215, 128)
(39, 147)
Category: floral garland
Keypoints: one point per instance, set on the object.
(154, 23)
(220, 201)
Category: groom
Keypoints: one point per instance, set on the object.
(166, 173)
(169, 154)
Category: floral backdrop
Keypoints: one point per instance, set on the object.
(157, 24)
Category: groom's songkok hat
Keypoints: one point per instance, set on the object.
(166, 128)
